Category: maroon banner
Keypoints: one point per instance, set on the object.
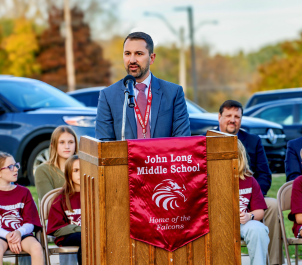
(168, 190)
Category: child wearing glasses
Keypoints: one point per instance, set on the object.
(18, 214)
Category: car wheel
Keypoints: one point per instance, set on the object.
(39, 155)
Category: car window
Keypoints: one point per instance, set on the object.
(194, 109)
(89, 99)
(31, 95)
(271, 97)
(300, 112)
(281, 114)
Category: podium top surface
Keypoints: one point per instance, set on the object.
(220, 146)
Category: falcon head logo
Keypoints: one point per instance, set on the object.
(11, 219)
(167, 193)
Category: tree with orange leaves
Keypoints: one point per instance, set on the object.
(284, 71)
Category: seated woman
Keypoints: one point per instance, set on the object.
(18, 214)
(64, 220)
(252, 206)
(295, 214)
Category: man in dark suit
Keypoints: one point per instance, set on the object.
(230, 116)
(168, 117)
(293, 162)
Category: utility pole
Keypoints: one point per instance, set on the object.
(69, 48)
(193, 60)
(192, 31)
(182, 48)
(182, 60)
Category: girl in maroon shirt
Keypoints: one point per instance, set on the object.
(252, 206)
(295, 214)
(18, 214)
(64, 220)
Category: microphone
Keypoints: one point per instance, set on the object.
(129, 82)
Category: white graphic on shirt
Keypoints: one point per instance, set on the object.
(70, 216)
(12, 207)
(167, 193)
(245, 191)
(11, 219)
(75, 212)
(243, 203)
(76, 222)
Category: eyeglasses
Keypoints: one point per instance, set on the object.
(11, 167)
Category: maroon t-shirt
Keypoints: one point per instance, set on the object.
(296, 203)
(17, 207)
(59, 216)
(250, 195)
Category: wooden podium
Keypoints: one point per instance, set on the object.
(105, 208)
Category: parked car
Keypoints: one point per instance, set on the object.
(287, 112)
(265, 96)
(271, 134)
(29, 112)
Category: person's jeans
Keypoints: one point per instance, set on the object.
(255, 235)
(74, 240)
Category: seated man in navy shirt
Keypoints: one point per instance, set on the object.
(293, 166)
(230, 115)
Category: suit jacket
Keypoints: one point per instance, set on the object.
(257, 159)
(293, 167)
(169, 115)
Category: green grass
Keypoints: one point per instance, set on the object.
(33, 191)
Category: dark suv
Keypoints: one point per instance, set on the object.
(271, 134)
(29, 112)
(271, 95)
(287, 112)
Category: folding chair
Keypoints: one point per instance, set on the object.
(8, 253)
(44, 210)
(284, 201)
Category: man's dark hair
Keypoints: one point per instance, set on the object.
(230, 104)
(141, 36)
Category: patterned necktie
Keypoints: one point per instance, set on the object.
(142, 104)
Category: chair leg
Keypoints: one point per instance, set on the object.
(16, 260)
(280, 250)
(267, 260)
(296, 254)
(287, 252)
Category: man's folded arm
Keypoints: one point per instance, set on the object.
(263, 173)
(292, 163)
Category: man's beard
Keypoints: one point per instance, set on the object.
(231, 131)
(139, 73)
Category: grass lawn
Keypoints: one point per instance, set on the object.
(276, 184)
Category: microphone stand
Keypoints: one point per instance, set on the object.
(126, 92)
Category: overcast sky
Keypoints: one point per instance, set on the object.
(242, 24)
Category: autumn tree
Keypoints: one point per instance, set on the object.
(20, 48)
(113, 52)
(283, 71)
(90, 66)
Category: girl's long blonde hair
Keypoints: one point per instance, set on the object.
(243, 165)
(68, 188)
(53, 155)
